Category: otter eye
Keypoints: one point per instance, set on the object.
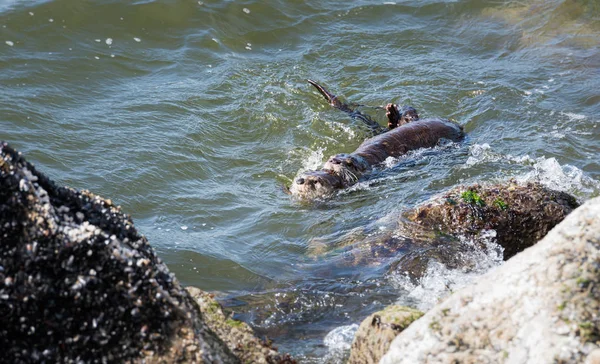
(348, 162)
(300, 181)
(335, 161)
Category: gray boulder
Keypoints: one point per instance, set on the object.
(541, 306)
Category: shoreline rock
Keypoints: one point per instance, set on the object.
(519, 214)
(540, 306)
(237, 335)
(79, 283)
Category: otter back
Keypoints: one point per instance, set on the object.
(424, 133)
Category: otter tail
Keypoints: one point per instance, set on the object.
(335, 102)
(331, 98)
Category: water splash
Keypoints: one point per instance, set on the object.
(338, 342)
(567, 178)
(547, 171)
(439, 280)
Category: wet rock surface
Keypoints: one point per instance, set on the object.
(541, 306)
(78, 283)
(519, 214)
(237, 335)
(376, 332)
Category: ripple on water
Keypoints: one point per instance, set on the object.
(186, 127)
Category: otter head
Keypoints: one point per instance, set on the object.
(348, 166)
(408, 114)
(315, 184)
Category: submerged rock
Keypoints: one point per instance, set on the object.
(376, 332)
(449, 227)
(541, 306)
(78, 283)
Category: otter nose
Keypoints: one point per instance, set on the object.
(300, 181)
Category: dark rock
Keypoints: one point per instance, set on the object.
(519, 214)
(79, 283)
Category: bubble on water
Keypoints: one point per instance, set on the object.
(51, 20)
(96, 57)
(215, 40)
(109, 41)
(10, 43)
(200, 3)
(246, 10)
(184, 227)
(137, 39)
(98, 40)
(112, 56)
(31, 13)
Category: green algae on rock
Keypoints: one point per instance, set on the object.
(519, 214)
(78, 283)
(237, 335)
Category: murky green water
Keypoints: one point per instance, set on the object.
(192, 114)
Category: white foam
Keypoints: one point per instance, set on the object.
(439, 280)
(109, 41)
(567, 178)
(573, 116)
(137, 39)
(246, 10)
(10, 43)
(339, 341)
(547, 171)
(313, 161)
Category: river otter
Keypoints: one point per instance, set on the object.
(344, 170)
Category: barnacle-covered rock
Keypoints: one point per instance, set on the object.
(78, 283)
